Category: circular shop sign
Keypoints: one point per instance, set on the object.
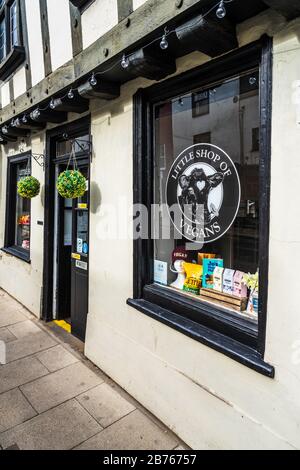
(204, 186)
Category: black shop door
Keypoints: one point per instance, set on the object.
(80, 262)
(71, 270)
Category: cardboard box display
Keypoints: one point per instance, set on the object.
(218, 278)
(202, 256)
(239, 288)
(228, 281)
(209, 266)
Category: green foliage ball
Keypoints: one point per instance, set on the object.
(71, 184)
(28, 187)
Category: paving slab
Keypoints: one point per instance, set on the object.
(6, 335)
(20, 372)
(60, 386)
(56, 358)
(61, 428)
(29, 345)
(105, 404)
(14, 409)
(134, 432)
(23, 329)
(9, 317)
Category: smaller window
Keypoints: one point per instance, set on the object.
(12, 52)
(17, 235)
(200, 103)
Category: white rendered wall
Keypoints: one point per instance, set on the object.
(60, 32)
(35, 40)
(99, 18)
(209, 400)
(138, 3)
(19, 82)
(5, 94)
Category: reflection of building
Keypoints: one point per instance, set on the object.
(207, 374)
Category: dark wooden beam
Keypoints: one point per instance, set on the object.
(48, 116)
(8, 138)
(76, 29)
(26, 122)
(77, 104)
(8, 131)
(26, 45)
(103, 90)
(154, 66)
(125, 8)
(45, 37)
(207, 35)
(288, 8)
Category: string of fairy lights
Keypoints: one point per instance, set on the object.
(220, 11)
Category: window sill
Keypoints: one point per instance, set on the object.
(17, 253)
(245, 355)
(11, 62)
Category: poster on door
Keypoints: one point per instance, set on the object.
(79, 245)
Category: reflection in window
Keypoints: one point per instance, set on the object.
(227, 116)
(22, 230)
(2, 40)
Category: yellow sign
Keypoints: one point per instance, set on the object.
(76, 256)
(82, 206)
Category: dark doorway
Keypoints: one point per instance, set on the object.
(66, 262)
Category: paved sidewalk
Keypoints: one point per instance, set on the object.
(51, 397)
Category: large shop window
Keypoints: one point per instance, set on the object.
(12, 52)
(17, 230)
(203, 269)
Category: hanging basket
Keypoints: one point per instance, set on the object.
(71, 184)
(28, 187)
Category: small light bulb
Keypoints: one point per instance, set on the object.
(24, 119)
(52, 104)
(5, 130)
(164, 43)
(221, 11)
(252, 80)
(125, 62)
(93, 80)
(71, 94)
(35, 114)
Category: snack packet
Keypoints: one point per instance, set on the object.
(193, 280)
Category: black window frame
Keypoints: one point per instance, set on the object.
(205, 323)
(10, 217)
(15, 54)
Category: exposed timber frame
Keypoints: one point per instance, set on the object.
(147, 21)
(125, 8)
(45, 37)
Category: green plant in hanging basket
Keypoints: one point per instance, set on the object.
(28, 187)
(71, 184)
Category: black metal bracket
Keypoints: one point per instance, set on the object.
(81, 143)
(40, 159)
